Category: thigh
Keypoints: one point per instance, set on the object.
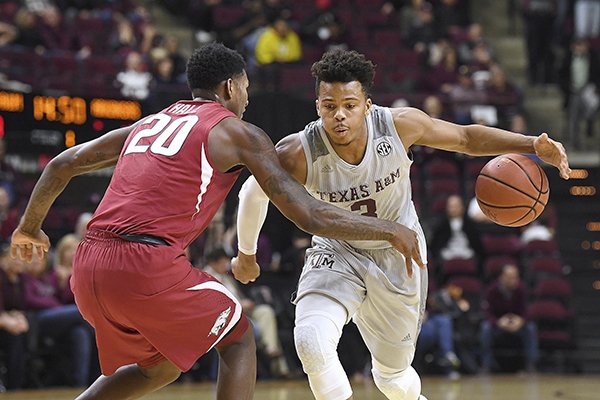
(390, 317)
(335, 270)
(149, 304)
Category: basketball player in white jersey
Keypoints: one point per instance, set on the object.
(355, 156)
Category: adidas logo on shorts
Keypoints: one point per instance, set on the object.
(407, 338)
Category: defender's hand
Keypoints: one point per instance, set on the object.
(553, 153)
(244, 268)
(407, 243)
(23, 244)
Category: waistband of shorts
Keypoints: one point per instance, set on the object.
(97, 234)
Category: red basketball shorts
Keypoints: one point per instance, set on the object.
(148, 304)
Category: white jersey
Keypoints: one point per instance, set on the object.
(378, 186)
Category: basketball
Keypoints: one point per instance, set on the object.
(512, 190)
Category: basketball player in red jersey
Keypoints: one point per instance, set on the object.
(155, 314)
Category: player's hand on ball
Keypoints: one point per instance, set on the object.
(22, 245)
(553, 153)
(244, 268)
(407, 243)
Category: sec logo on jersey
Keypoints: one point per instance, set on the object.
(384, 148)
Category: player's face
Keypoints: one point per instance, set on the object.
(343, 107)
(240, 94)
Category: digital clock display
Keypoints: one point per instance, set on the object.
(66, 120)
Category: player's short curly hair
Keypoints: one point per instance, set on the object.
(344, 66)
(212, 64)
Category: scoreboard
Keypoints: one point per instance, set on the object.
(34, 124)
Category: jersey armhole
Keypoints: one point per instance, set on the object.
(308, 157)
(207, 153)
(406, 153)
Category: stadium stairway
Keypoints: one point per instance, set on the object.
(543, 105)
(579, 246)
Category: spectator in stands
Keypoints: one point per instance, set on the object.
(278, 44)
(262, 315)
(135, 79)
(252, 18)
(13, 322)
(474, 39)
(8, 33)
(518, 123)
(81, 225)
(538, 229)
(444, 67)
(437, 331)
(587, 18)
(63, 267)
(172, 45)
(580, 84)
(57, 36)
(464, 95)
(122, 39)
(505, 309)
(324, 30)
(49, 296)
(27, 32)
(422, 32)
(164, 72)
(456, 236)
(539, 18)
(434, 107)
(502, 94)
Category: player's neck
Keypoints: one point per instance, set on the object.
(206, 95)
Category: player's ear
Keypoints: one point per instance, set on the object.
(368, 105)
(229, 88)
(317, 106)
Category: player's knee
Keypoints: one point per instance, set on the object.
(308, 348)
(164, 372)
(316, 343)
(398, 385)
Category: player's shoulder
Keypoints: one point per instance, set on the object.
(236, 126)
(290, 146)
(291, 155)
(406, 113)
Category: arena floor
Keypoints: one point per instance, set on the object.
(509, 387)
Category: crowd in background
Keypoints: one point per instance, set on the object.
(488, 285)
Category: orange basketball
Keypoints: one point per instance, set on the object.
(512, 190)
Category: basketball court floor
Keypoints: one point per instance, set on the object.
(497, 387)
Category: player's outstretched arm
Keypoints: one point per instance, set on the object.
(87, 157)
(478, 140)
(255, 150)
(252, 212)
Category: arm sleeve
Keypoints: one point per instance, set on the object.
(252, 213)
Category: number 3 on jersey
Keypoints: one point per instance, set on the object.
(366, 207)
(165, 127)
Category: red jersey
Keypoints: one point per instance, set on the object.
(165, 183)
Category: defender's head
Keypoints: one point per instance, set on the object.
(221, 71)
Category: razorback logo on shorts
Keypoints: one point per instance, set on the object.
(220, 322)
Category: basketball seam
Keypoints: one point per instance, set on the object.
(543, 177)
(512, 187)
(539, 190)
(527, 174)
(509, 207)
